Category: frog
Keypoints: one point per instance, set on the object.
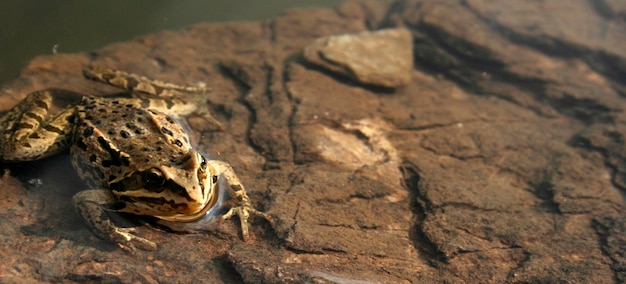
(133, 153)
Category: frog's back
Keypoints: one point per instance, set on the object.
(115, 137)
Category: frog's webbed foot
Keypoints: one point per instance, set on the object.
(239, 202)
(91, 205)
(243, 210)
(125, 238)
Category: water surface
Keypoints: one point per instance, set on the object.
(36, 27)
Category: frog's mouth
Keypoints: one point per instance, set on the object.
(189, 217)
(166, 209)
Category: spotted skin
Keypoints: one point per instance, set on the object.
(133, 154)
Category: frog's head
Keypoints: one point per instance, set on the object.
(185, 188)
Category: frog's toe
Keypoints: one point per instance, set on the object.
(243, 212)
(128, 241)
(145, 244)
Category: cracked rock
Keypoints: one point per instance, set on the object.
(499, 160)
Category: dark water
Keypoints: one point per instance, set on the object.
(36, 27)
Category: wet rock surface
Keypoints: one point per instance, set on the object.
(500, 160)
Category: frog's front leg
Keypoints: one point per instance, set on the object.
(240, 203)
(93, 205)
(27, 132)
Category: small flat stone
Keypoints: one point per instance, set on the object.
(383, 58)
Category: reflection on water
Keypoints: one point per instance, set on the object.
(36, 27)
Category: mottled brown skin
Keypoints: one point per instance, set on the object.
(133, 155)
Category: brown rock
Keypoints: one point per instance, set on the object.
(501, 159)
(382, 58)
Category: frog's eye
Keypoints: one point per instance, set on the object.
(202, 163)
(153, 179)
